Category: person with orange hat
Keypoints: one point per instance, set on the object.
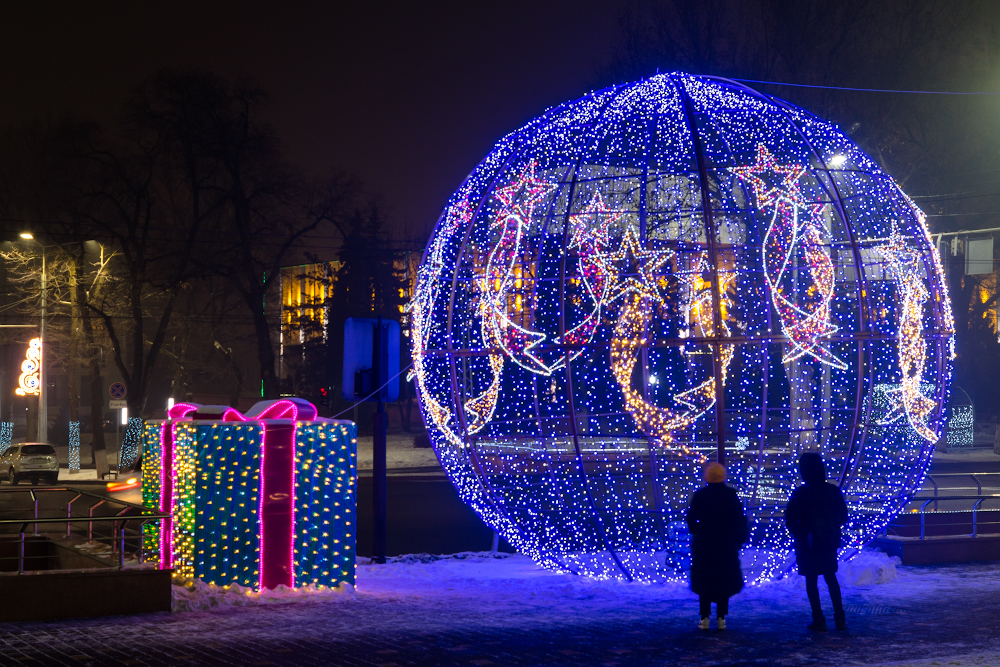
(718, 528)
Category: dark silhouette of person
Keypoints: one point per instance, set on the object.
(814, 516)
(718, 527)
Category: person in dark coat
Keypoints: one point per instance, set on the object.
(814, 516)
(718, 527)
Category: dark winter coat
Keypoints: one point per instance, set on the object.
(718, 527)
(814, 516)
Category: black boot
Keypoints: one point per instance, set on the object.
(840, 619)
(818, 624)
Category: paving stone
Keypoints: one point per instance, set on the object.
(884, 627)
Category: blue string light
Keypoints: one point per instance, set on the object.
(621, 265)
(74, 446)
(6, 435)
(131, 442)
(960, 426)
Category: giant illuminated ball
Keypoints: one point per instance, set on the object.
(665, 273)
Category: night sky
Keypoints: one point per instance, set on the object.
(409, 97)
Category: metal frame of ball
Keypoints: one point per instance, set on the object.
(575, 528)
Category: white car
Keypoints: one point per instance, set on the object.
(34, 460)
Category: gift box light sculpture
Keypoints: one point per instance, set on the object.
(262, 499)
(663, 273)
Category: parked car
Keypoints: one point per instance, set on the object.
(32, 460)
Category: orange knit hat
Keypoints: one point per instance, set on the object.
(715, 473)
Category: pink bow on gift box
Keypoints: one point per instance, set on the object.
(276, 514)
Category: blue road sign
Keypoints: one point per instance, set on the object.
(117, 390)
(365, 370)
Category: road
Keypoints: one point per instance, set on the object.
(425, 514)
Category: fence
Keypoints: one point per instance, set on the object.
(70, 529)
(966, 517)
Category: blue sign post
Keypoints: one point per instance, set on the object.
(371, 373)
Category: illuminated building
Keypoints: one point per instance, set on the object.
(309, 319)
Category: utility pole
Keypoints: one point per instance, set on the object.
(43, 408)
(379, 421)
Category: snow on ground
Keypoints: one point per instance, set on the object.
(196, 595)
(512, 582)
(517, 580)
(87, 474)
(399, 453)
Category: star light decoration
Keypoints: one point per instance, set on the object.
(520, 344)
(589, 237)
(575, 322)
(642, 295)
(629, 274)
(795, 231)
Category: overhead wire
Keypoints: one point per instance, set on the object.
(866, 90)
(936, 198)
(373, 393)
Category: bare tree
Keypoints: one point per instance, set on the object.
(892, 44)
(73, 275)
(152, 261)
(209, 326)
(189, 192)
(250, 210)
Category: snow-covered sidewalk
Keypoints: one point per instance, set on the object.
(484, 609)
(514, 585)
(400, 455)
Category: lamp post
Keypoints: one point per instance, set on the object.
(43, 411)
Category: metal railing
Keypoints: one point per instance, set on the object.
(975, 510)
(968, 475)
(124, 514)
